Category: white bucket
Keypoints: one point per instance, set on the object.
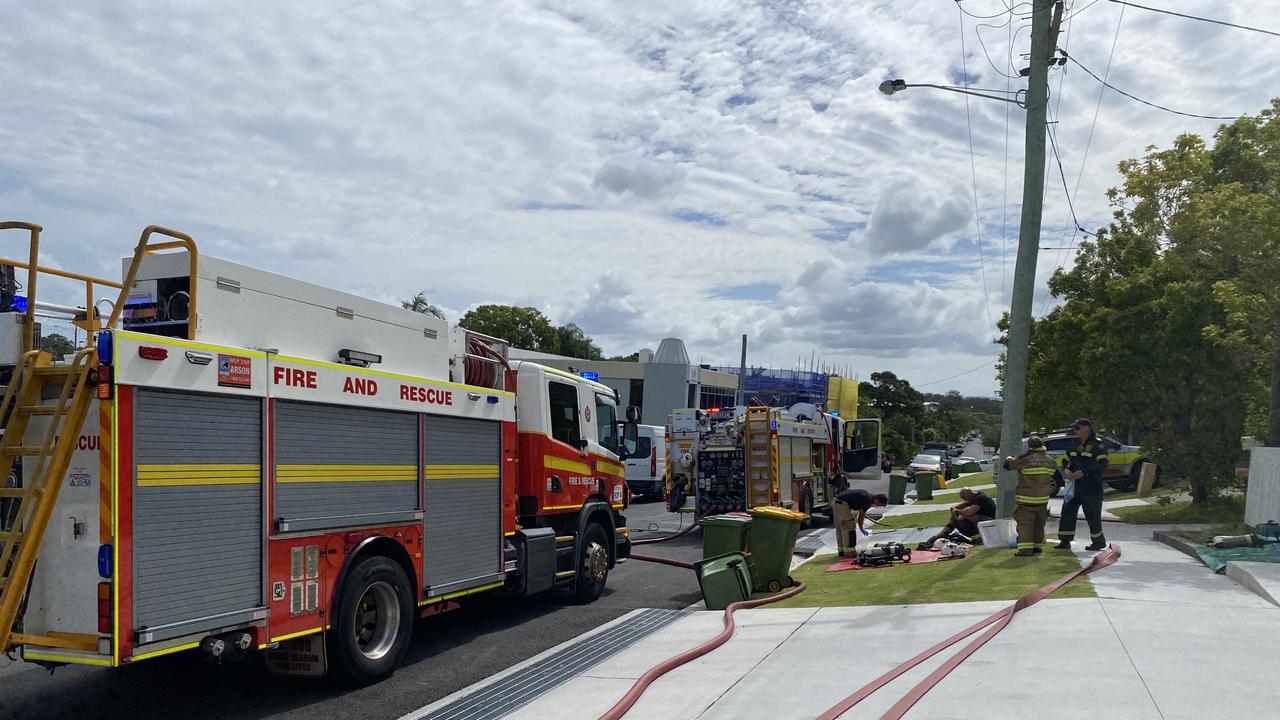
(997, 533)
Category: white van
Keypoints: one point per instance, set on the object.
(647, 464)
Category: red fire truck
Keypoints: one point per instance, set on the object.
(243, 461)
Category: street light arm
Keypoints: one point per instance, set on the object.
(890, 87)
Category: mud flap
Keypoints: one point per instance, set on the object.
(299, 657)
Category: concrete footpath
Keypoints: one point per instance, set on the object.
(1165, 638)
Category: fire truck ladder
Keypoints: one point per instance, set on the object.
(762, 461)
(22, 532)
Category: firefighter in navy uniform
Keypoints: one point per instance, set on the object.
(1087, 463)
(1035, 482)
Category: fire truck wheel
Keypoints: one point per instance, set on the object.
(593, 570)
(806, 508)
(374, 621)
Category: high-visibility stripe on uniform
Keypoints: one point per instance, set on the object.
(1037, 471)
(1095, 535)
(1026, 545)
(1032, 499)
(1100, 456)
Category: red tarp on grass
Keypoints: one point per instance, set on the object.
(918, 557)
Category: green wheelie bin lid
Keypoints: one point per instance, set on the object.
(724, 534)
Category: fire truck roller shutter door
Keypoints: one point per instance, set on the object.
(197, 512)
(462, 539)
(338, 465)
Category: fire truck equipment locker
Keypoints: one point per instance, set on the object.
(462, 545)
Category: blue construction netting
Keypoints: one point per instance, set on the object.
(783, 388)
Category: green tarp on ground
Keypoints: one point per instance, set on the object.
(1217, 559)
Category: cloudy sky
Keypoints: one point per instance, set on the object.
(693, 168)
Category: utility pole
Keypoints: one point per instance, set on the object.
(1044, 32)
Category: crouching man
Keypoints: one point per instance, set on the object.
(974, 508)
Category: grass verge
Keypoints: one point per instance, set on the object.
(1218, 511)
(982, 478)
(1133, 494)
(936, 518)
(987, 574)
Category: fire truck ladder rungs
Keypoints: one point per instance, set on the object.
(761, 459)
(21, 532)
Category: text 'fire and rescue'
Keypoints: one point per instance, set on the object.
(309, 379)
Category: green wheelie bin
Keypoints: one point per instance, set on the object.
(897, 489)
(725, 579)
(723, 534)
(772, 541)
(926, 483)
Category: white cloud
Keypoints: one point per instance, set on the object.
(609, 163)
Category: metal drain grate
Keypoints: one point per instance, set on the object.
(810, 544)
(523, 686)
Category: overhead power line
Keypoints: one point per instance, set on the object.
(1197, 17)
(1097, 109)
(1053, 142)
(1007, 11)
(973, 173)
(1147, 102)
(989, 363)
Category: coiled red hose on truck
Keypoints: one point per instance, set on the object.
(622, 706)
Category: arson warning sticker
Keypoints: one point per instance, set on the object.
(235, 371)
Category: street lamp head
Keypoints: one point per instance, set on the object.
(889, 87)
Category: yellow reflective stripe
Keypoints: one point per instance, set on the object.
(460, 593)
(1101, 456)
(462, 472)
(563, 507)
(156, 340)
(345, 473)
(193, 475)
(1032, 499)
(69, 659)
(558, 463)
(298, 634)
(1037, 471)
(166, 651)
(605, 466)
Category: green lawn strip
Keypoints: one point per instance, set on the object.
(987, 574)
(1203, 536)
(1218, 511)
(982, 478)
(936, 518)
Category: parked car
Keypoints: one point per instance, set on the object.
(646, 464)
(1124, 462)
(926, 462)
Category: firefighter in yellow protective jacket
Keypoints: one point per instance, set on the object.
(1035, 482)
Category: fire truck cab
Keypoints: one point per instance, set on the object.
(265, 464)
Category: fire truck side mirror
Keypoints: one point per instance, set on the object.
(633, 414)
(630, 438)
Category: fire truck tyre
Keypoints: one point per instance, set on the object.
(806, 508)
(593, 568)
(374, 623)
(676, 499)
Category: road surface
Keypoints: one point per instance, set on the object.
(449, 652)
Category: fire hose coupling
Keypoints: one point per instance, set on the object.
(216, 647)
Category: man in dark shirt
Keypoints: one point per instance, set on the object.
(974, 508)
(861, 501)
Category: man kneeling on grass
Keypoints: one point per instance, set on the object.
(975, 508)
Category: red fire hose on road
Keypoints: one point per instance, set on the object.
(681, 533)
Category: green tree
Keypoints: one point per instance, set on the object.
(420, 304)
(899, 406)
(57, 345)
(523, 327)
(575, 343)
(1159, 311)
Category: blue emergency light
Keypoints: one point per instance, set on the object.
(19, 303)
(590, 375)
